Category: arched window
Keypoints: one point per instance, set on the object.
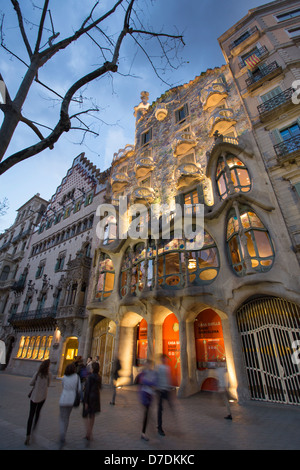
(231, 176)
(203, 265)
(248, 239)
(106, 277)
(5, 273)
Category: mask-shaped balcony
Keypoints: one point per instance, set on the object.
(214, 95)
(144, 165)
(221, 121)
(122, 154)
(184, 142)
(187, 173)
(118, 182)
(143, 194)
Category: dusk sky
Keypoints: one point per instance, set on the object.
(200, 21)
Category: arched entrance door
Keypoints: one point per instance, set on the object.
(171, 346)
(70, 352)
(270, 332)
(103, 346)
(142, 343)
(210, 347)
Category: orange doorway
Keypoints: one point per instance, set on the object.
(142, 343)
(171, 347)
(210, 347)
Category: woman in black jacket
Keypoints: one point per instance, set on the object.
(91, 399)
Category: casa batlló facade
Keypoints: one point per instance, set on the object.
(232, 300)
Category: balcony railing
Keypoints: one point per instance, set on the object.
(276, 101)
(33, 314)
(287, 147)
(243, 37)
(258, 52)
(264, 72)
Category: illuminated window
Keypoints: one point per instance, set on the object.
(203, 264)
(34, 347)
(232, 176)
(247, 237)
(106, 277)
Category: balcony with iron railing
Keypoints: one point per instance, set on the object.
(288, 149)
(39, 317)
(260, 53)
(267, 72)
(275, 105)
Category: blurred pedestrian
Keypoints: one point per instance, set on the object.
(115, 376)
(88, 365)
(147, 381)
(222, 387)
(164, 386)
(91, 399)
(40, 383)
(71, 384)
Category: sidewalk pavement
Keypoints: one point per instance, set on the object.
(196, 423)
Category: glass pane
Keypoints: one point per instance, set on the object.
(208, 274)
(234, 251)
(109, 282)
(263, 244)
(222, 186)
(250, 245)
(207, 258)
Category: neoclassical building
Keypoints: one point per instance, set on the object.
(45, 312)
(137, 282)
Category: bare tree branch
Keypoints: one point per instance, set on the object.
(12, 109)
(21, 26)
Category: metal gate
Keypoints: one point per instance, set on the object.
(270, 332)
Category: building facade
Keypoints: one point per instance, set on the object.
(138, 281)
(45, 312)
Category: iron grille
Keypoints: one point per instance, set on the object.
(276, 101)
(268, 328)
(288, 146)
(263, 72)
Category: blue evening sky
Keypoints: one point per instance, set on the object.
(200, 21)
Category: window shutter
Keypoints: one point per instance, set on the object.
(297, 188)
(276, 137)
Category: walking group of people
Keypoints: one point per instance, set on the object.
(80, 383)
(154, 381)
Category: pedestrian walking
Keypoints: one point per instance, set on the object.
(147, 381)
(222, 387)
(91, 399)
(164, 386)
(88, 365)
(70, 384)
(115, 376)
(40, 383)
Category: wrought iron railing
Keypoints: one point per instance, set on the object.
(263, 72)
(34, 314)
(243, 37)
(276, 101)
(260, 52)
(288, 146)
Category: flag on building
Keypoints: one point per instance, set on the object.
(252, 61)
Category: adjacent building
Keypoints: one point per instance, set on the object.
(115, 270)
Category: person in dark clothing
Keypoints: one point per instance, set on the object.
(147, 383)
(38, 395)
(91, 399)
(115, 376)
